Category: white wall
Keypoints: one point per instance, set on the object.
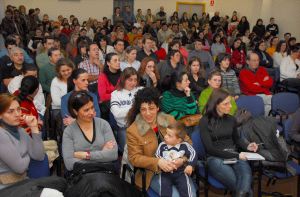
(286, 12)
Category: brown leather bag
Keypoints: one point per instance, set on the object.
(190, 120)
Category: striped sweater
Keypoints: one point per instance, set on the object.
(177, 104)
(230, 82)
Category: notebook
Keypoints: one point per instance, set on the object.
(253, 156)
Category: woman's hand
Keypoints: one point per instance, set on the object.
(68, 120)
(80, 155)
(252, 147)
(242, 156)
(166, 166)
(187, 91)
(109, 145)
(152, 77)
(32, 123)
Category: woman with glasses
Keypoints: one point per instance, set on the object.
(88, 138)
(147, 126)
(214, 82)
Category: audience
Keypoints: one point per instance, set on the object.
(171, 57)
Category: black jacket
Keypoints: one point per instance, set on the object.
(102, 185)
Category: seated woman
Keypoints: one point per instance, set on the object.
(229, 79)
(179, 101)
(238, 55)
(15, 141)
(148, 73)
(289, 69)
(15, 83)
(146, 131)
(107, 82)
(130, 59)
(196, 74)
(77, 81)
(265, 59)
(217, 47)
(88, 137)
(222, 144)
(121, 101)
(279, 53)
(27, 91)
(214, 82)
(58, 86)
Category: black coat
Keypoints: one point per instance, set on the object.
(102, 185)
(34, 187)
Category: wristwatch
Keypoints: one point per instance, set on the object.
(88, 155)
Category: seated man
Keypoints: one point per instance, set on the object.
(13, 67)
(255, 80)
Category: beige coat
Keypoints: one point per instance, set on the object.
(142, 144)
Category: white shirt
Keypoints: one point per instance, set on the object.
(288, 68)
(57, 89)
(277, 58)
(120, 103)
(39, 99)
(136, 65)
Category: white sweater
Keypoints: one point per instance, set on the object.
(57, 89)
(120, 103)
(288, 68)
(39, 99)
(277, 59)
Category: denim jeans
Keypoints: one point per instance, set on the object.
(155, 185)
(236, 177)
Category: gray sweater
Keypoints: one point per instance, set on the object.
(205, 58)
(74, 140)
(15, 154)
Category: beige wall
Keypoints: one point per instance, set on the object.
(286, 12)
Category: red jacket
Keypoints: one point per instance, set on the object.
(105, 88)
(248, 78)
(27, 108)
(237, 57)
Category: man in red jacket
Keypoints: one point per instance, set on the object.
(255, 80)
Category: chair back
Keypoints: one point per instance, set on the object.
(284, 102)
(198, 145)
(253, 104)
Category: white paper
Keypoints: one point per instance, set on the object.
(253, 156)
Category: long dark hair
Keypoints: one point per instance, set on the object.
(127, 73)
(217, 96)
(176, 77)
(145, 95)
(29, 84)
(75, 74)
